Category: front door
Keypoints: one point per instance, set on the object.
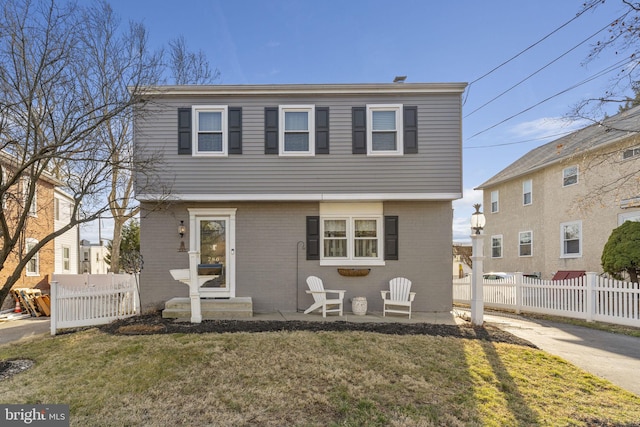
(215, 244)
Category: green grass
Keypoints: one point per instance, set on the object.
(308, 379)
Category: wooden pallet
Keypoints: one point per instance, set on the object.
(27, 298)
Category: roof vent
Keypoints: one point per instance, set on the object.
(400, 79)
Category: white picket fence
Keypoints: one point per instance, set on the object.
(591, 297)
(92, 299)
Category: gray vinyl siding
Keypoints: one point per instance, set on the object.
(436, 168)
(271, 265)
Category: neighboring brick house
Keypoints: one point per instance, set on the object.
(274, 183)
(40, 223)
(555, 207)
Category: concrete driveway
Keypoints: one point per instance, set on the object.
(614, 357)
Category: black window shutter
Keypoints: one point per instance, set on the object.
(271, 130)
(359, 129)
(313, 237)
(391, 238)
(184, 130)
(410, 115)
(235, 130)
(322, 130)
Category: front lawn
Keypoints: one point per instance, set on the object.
(309, 379)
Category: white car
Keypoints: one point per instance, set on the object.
(497, 276)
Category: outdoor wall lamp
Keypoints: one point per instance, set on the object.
(478, 220)
(181, 231)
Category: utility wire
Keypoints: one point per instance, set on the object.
(525, 50)
(521, 142)
(546, 65)
(593, 77)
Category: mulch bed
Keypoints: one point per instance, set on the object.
(153, 323)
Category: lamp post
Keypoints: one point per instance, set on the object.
(477, 248)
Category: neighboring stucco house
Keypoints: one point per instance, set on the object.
(554, 208)
(274, 183)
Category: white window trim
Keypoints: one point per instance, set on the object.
(524, 192)
(564, 176)
(352, 212)
(224, 109)
(33, 206)
(311, 111)
(633, 155)
(399, 151)
(497, 236)
(496, 201)
(30, 241)
(628, 216)
(66, 259)
(520, 243)
(581, 238)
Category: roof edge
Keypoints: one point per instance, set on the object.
(323, 89)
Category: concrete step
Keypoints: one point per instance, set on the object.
(232, 308)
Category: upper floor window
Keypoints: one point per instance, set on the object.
(571, 239)
(384, 129)
(33, 204)
(525, 243)
(33, 266)
(495, 206)
(495, 201)
(297, 130)
(496, 246)
(210, 124)
(569, 176)
(630, 153)
(527, 197)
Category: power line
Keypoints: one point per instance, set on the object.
(545, 66)
(526, 49)
(593, 77)
(521, 142)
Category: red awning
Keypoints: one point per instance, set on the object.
(568, 274)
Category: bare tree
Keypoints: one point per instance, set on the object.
(119, 63)
(189, 67)
(56, 108)
(622, 38)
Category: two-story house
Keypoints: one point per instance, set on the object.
(272, 183)
(66, 245)
(47, 212)
(554, 209)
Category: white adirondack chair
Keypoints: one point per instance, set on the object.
(399, 297)
(319, 293)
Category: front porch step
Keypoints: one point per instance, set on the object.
(232, 308)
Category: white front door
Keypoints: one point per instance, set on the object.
(215, 244)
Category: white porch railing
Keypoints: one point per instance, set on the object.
(589, 297)
(92, 299)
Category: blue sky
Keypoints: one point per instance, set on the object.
(371, 41)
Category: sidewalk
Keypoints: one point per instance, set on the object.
(614, 357)
(15, 329)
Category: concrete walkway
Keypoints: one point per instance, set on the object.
(614, 357)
